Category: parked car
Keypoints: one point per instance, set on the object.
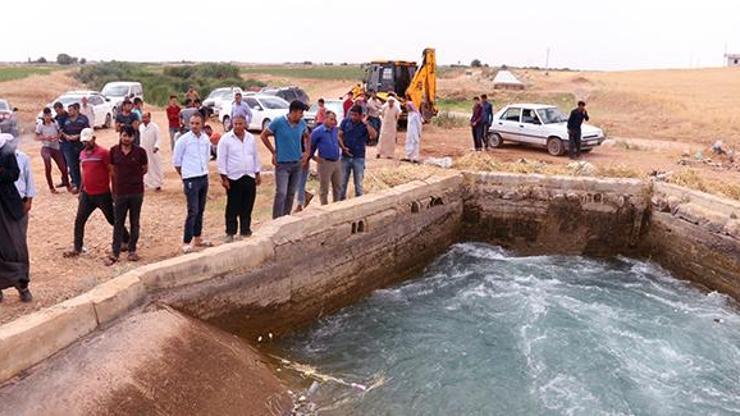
(103, 107)
(539, 125)
(119, 90)
(265, 108)
(287, 93)
(216, 98)
(8, 120)
(332, 105)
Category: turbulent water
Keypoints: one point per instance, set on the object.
(482, 332)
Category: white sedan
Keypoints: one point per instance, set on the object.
(103, 107)
(265, 108)
(539, 125)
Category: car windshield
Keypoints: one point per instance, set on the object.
(68, 99)
(4, 106)
(115, 90)
(552, 115)
(217, 93)
(274, 104)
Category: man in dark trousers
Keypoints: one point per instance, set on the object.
(476, 121)
(95, 192)
(487, 119)
(129, 164)
(577, 116)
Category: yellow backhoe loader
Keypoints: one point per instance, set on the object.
(404, 79)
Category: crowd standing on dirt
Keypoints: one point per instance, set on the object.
(114, 180)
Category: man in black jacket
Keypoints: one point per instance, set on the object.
(577, 116)
(14, 264)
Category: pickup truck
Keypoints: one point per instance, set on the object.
(539, 125)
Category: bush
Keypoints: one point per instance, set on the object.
(41, 60)
(476, 63)
(172, 80)
(64, 59)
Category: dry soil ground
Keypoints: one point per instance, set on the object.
(55, 278)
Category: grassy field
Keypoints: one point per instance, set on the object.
(323, 72)
(10, 73)
(501, 98)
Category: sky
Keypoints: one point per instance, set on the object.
(601, 34)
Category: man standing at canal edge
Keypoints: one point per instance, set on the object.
(577, 116)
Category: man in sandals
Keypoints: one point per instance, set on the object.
(190, 157)
(128, 165)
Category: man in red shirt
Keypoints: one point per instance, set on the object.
(347, 104)
(95, 192)
(173, 117)
(128, 166)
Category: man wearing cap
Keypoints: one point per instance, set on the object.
(190, 157)
(95, 192)
(71, 130)
(290, 133)
(240, 108)
(126, 117)
(14, 262)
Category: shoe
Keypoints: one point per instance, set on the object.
(245, 235)
(71, 253)
(53, 190)
(228, 239)
(110, 260)
(74, 190)
(309, 197)
(203, 243)
(298, 209)
(132, 256)
(187, 248)
(26, 296)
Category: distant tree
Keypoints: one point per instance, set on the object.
(64, 59)
(307, 63)
(476, 63)
(41, 60)
(83, 61)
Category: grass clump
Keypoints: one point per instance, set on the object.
(159, 84)
(14, 72)
(691, 178)
(447, 120)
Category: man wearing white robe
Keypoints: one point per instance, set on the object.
(150, 140)
(413, 133)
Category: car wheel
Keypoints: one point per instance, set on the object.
(555, 146)
(227, 123)
(494, 139)
(108, 121)
(265, 124)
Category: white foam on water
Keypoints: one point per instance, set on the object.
(483, 332)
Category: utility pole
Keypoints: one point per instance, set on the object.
(547, 61)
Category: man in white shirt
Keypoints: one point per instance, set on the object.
(24, 184)
(190, 157)
(87, 110)
(150, 141)
(239, 167)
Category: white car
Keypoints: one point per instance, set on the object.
(539, 125)
(337, 106)
(216, 99)
(265, 108)
(103, 107)
(119, 90)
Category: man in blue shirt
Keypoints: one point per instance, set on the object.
(354, 132)
(287, 155)
(71, 130)
(190, 157)
(487, 119)
(325, 140)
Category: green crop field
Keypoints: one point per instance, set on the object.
(9, 73)
(341, 72)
